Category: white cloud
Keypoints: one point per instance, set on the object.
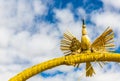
(106, 17)
(5, 36)
(14, 17)
(111, 3)
(64, 15)
(41, 43)
(39, 7)
(67, 22)
(82, 13)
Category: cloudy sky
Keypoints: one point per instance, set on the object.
(31, 30)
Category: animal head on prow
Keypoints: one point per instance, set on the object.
(84, 31)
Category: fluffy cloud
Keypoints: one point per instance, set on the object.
(111, 4)
(103, 18)
(67, 22)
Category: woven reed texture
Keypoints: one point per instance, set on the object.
(65, 60)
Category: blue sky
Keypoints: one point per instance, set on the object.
(31, 30)
(88, 6)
